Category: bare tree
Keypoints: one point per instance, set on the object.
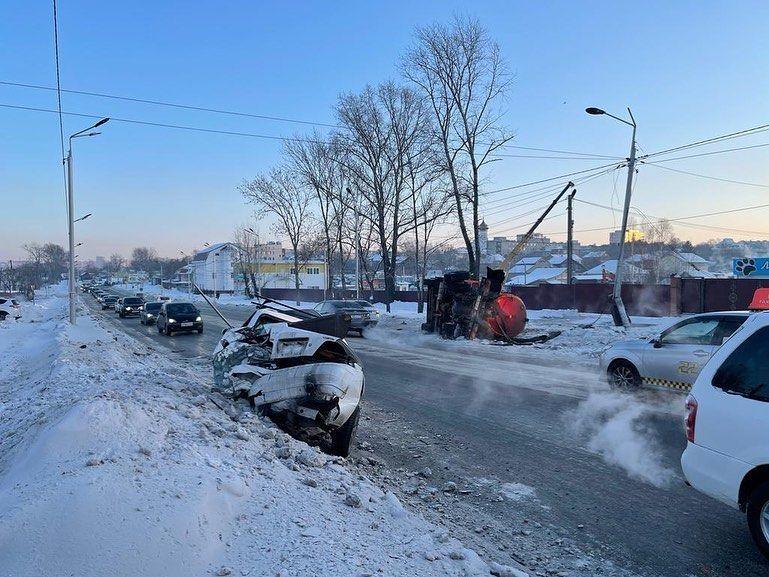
(115, 263)
(246, 257)
(460, 71)
(36, 255)
(386, 129)
(280, 193)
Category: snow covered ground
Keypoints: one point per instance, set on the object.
(114, 460)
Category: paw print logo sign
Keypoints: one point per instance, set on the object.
(753, 267)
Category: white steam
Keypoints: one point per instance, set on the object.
(612, 424)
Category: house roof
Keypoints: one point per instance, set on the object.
(529, 260)
(594, 254)
(559, 259)
(519, 269)
(690, 257)
(537, 275)
(203, 253)
(611, 266)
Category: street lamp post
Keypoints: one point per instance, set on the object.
(257, 257)
(619, 313)
(71, 214)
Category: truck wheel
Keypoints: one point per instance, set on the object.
(623, 375)
(343, 438)
(758, 517)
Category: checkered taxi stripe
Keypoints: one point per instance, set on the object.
(677, 385)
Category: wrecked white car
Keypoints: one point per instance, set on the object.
(294, 364)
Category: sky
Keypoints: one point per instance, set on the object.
(688, 70)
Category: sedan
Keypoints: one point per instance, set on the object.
(362, 313)
(108, 302)
(149, 313)
(175, 317)
(675, 357)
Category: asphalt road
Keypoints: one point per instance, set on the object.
(513, 428)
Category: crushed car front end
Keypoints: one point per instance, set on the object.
(308, 377)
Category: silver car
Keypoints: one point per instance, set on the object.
(674, 358)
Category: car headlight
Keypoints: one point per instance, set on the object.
(128, 308)
(150, 316)
(171, 320)
(199, 319)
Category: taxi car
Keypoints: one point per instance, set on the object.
(675, 357)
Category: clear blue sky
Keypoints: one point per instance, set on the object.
(689, 70)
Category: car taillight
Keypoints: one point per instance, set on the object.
(691, 417)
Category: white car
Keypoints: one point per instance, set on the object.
(674, 358)
(727, 427)
(9, 308)
(296, 365)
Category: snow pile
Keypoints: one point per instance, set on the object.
(115, 460)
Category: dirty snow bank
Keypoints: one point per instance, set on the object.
(113, 460)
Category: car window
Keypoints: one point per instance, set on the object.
(696, 332)
(152, 307)
(181, 308)
(726, 327)
(3, 301)
(746, 372)
(133, 301)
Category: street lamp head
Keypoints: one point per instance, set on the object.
(102, 121)
(594, 111)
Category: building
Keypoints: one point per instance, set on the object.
(605, 272)
(548, 275)
(537, 243)
(212, 268)
(631, 234)
(683, 264)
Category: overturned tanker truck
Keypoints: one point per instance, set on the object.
(459, 305)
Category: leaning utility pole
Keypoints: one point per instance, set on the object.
(569, 240)
(619, 313)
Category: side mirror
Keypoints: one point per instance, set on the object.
(224, 331)
(656, 343)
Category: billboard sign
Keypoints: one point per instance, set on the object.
(751, 267)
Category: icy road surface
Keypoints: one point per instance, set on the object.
(525, 453)
(114, 461)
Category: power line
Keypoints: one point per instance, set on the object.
(707, 176)
(271, 118)
(553, 157)
(165, 125)
(58, 97)
(712, 153)
(173, 105)
(559, 177)
(738, 134)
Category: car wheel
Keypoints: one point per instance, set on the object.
(343, 438)
(623, 375)
(200, 331)
(168, 331)
(758, 517)
(3, 315)
(159, 329)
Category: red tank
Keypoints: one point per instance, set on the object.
(507, 316)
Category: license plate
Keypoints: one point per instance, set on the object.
(186, 324)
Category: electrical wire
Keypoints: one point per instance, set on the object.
(707, 176)
(711, 153)
(738, 134)
(559, 177)
(166, 125)
(58, 97)
(155, 102)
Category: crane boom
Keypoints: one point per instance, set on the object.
(527, 237)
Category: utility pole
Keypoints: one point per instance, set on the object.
(569, 240)
(618, 312)
(71, 235)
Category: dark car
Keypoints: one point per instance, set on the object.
(108, 302)
(362, 313)
(129, 306)
(149, 313)
(175, 317)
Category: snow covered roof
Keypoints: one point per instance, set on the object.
(203, 253)
(611, 266)
(519, 269)
(560, 259)
(691, 258)
(594, 254)
(529, 260)
(537, 276)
